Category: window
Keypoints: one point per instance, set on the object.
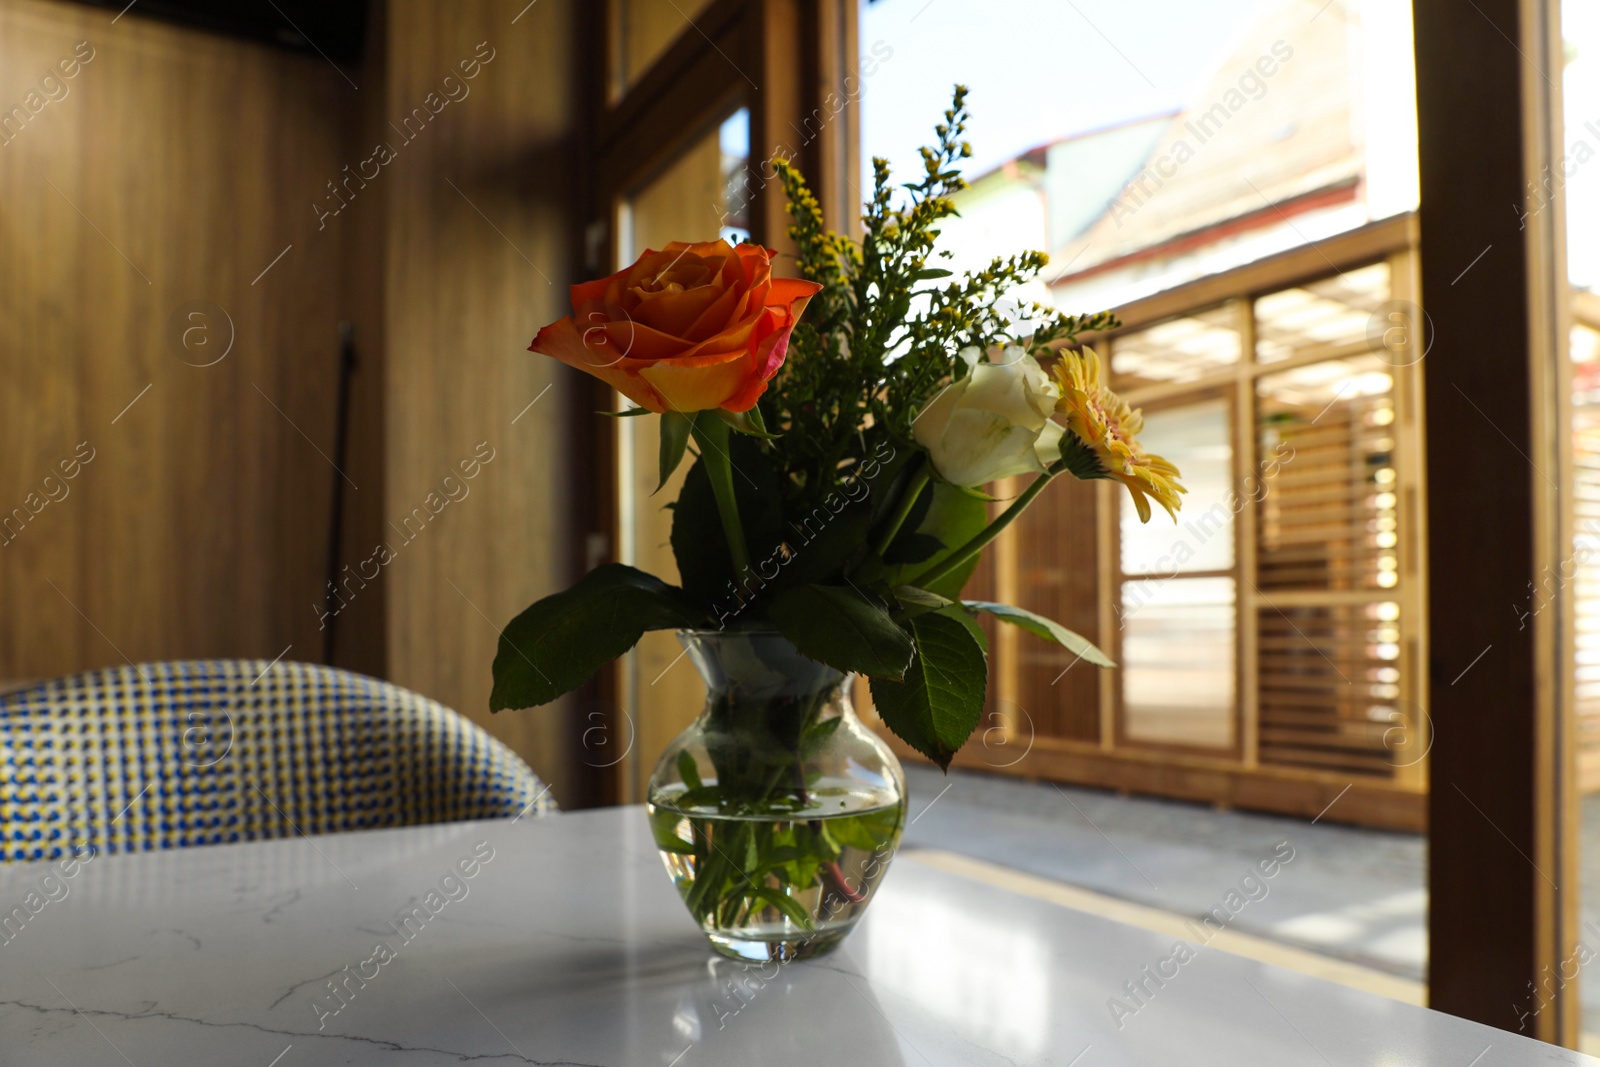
(1274, 632)
(641, 32)
(1572, 181)
(1585, 570)
(683, 94)
(1238, 184)
(1208, 135)
(694, 197)
(1177, 607)
(1268, 277)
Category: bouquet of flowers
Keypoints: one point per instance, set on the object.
(842, 426)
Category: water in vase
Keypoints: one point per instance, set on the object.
(782, 883)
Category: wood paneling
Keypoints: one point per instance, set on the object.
(1328, 691)
(1335, 797)
(1502, 796)
(642, 30)
(477, 243)
(1053, 553)
(174, 168)
(1370, 242)
(1326, 532)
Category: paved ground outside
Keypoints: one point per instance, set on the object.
(1349, 893)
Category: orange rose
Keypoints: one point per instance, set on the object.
(690, 328)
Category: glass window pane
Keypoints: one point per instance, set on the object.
(1199, 439)
(1178, 661)
(641, 31)
(1584, 573)
(1328, 517)
(1323, 315)
(1576, 178)
(733, 143)
(1199, 135)
(1585, 559)
(697, 197)
(1178, 350)
(690, 199)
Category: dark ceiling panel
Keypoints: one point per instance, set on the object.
(333, 28)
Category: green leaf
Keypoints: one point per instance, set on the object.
(749, 423)
(976, 493)
(664, 826)
(1048, 629)
(840, 627)
(898, 307)
(832, 537)
(826, 544)
(939, 704)
(706, 796)
(675, 427)
(913, 548)
(909, 596)
(970, 621)
(831, 849)
(559, 642)
(689, 771)
(698, 542)
(790, 907)
(931, 273)
(868, 831)
(954, 517)
(626, 413)
(813, 737)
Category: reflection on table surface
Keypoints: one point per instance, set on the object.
(561, 940)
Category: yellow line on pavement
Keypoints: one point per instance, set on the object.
(1250, 946)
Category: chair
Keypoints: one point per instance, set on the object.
(199, 752)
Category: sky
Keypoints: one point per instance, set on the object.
(1037, 69)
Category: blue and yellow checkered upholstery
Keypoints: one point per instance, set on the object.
(197, 752)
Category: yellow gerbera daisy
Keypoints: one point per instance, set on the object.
(1104, 422)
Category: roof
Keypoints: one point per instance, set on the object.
(1272, 133)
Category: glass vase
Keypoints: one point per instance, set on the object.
(777, 812)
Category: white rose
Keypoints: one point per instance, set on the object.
(993, 423)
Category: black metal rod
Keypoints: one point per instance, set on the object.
(341, 435)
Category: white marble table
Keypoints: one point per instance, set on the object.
(567, 945)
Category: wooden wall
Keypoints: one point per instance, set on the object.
(174, 170)
(476, 259)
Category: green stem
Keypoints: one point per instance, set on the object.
(954, 560)
(711, 434)
(919, 482)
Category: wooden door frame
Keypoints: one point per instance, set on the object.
(1121, 740)
(1214, 776)
(1501, 902)
(788, 62)
(1502, 870)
